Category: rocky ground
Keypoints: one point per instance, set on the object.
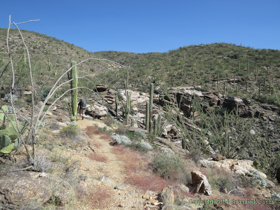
(93, 171)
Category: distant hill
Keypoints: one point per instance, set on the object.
(206, 65)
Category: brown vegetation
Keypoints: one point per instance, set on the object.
(98, 157)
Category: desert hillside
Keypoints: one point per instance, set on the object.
(193, 128)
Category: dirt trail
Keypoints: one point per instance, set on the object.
(127, 197)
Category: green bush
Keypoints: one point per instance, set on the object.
(70, 131)
(170, 167)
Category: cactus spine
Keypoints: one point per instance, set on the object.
(73, 74)
(151, 106)
(147, 115)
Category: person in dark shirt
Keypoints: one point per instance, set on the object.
(82, 106)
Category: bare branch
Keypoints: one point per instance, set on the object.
(27, 21)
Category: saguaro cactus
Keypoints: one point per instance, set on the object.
(128, 106)
(73, 74)
(147, 115)
(151, 105)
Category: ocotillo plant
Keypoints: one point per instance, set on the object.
(74, 93)
(147, 115)
(151, 105)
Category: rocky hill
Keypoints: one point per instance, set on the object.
(167, 131)
(226, 68)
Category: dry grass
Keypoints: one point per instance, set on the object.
(98, 157)
(96, 144)
(150, 182)
(139, 171)
(93, 130)
(98, 198)
(106, 137)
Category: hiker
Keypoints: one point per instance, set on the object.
(82, 106)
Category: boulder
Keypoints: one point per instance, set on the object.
(101, 88)
(167, 197)
(218, 157)
(240, 167)
(200, 183)
(97, 110)
(24, 190)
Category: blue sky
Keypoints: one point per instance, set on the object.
(149, 25)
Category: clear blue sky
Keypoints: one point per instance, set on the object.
(149, 25)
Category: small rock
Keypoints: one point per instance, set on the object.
(106, 181)
(252, 132)
(121, 205)
(49, 113)
(42, 174)
(120, 187)
(146, 196)
(224, 190)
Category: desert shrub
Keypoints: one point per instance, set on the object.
(54, 126)
(109, 120)
(257, 179)
(220, 179)
(70, 131)
(121, 130)
(138, 147)
(120, 139)
(170, 167)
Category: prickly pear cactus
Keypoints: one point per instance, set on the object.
(4, 141)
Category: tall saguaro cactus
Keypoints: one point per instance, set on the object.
(147, 115)
(73, 74)
(128, 106)
(151, 106)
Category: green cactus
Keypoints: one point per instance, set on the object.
(147, 115)
(128, 106)
(74, 93)
(159, 128)
(155, 126)
(4, 141)
(132, 122)
(151, 105)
